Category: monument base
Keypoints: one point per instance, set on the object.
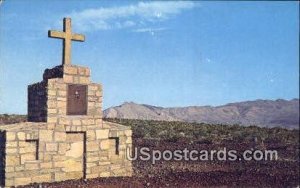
(47, 152)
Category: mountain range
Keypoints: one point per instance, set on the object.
(263, 113)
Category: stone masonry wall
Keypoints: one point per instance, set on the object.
(38, 152)
(56, 146)
(44, 97)
(71, 74)
(37, 99)
(2, 157)
(57, 104)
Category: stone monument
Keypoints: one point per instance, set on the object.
(65, 137)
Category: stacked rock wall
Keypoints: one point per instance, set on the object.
(2, 157)
(43, 152)
(55, 146)
(37, 102)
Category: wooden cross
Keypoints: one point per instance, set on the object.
(67, 37)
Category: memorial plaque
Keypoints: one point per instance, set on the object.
(77, 100)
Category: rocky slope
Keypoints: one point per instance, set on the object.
(283, 113)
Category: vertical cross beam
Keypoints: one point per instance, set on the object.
(67, 37)
(67, 41)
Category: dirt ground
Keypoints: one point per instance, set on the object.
(281, 173)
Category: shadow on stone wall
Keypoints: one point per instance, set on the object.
(2, 157)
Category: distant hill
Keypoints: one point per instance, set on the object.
(263, 113)
(12, 118)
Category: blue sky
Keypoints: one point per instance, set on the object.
(159, 53)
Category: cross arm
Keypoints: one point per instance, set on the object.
(78, 37)
(56, 34)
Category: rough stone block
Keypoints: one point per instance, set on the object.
(12, 160)
(92, 146)
(41, 178)
(30, 148)
(62, 93)
(74, 175)
(21, 135)
(83, 71)
(31, 166)
(89, 165)
(50, 126)
(68, 78)
(104, 144)
(61, 104)
(60, 136)
(52, 119)
(46, 165)
(60, 176)
(93, 159)
(129, 140)
(105, 174)
(22, 181)
(10, 136)
(51, 104)
(11, 150)
(59, 164)
(9, 182)
(91, 176)
(51, 92)
(10, 169)
(62, 147)
(27, 157)
(61, 87)
(47, 158)
(11, 144)
(45, 135)
(70, 70)
(93, 87)
(128, 132)
(91, 135)
(84, 80)
(63, 121)
(62, 111)
(98, 93)
(52, 111)
(51, 147)
(76, 122)
(102, 134)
